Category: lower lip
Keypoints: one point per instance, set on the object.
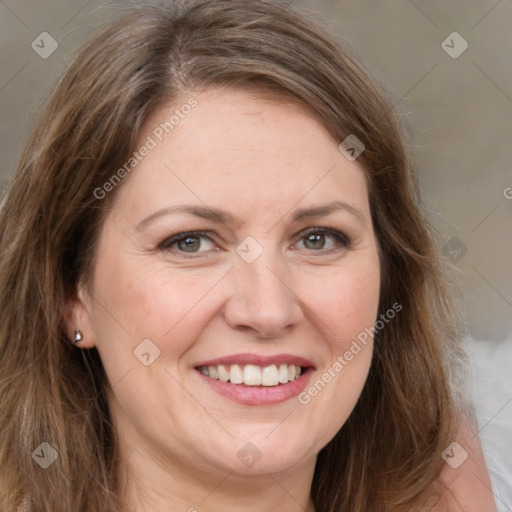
(259, 395)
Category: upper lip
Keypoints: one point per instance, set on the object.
(257, 360)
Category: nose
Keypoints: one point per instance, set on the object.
(261, 298)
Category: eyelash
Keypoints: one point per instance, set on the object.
(340, 238)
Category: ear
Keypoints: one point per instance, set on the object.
(78, 315)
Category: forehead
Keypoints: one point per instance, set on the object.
(235, 146)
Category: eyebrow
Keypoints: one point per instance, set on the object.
(222, 217)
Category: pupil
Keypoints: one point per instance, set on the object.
(190, 242)
(315, 239)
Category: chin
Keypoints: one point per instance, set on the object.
(261, 455)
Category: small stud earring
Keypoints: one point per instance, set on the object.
(77, 336)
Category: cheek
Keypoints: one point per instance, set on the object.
(346, 308)
(346, 304)
(147, 301)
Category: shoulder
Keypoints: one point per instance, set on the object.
(463, 483)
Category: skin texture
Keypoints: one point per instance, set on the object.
(260, 161)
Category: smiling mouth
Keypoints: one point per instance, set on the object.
(253, 375)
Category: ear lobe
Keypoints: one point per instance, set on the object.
(77, 315)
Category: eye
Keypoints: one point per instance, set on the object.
(185, 242)
(315, 239)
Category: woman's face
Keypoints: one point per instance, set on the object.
(284, 274)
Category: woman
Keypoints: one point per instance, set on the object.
(218, 291)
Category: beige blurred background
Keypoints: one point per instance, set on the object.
(459, 107)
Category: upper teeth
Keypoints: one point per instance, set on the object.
(252, 375)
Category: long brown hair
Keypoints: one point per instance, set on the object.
(388, 453)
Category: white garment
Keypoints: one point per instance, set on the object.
(490, 389)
